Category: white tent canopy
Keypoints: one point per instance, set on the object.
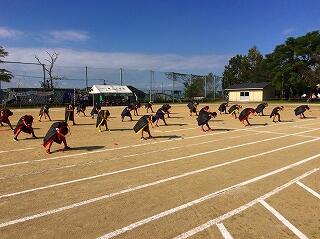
(110, 89)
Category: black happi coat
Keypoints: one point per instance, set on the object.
(102, 118)
(301, 109)
(245, 113)
(233, 108)
(275, 111)
(81, 107)
(44, 109)
(69, 113)
(54, 133)
(95, 109)
(192, 107)
(126, 112)
(165, 107)
(223, 107)
(205, 116)
(159, 115)
(24, 127)
(261, 107)
(4, 115)
(142, 124)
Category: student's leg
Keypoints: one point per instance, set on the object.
(48, 116)
(32, 132)
(48, 147)
(279, 118)
(65, 143)
(164, 120)
(17, 134)
(9, 123)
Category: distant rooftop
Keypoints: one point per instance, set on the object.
(249, 86)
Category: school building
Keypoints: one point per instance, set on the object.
(250, 92)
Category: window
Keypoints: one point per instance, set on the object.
(244, 93)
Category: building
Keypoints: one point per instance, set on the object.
(253, 92)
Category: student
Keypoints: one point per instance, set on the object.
(159, 115)
(44, 111)
(260, 108)
(165, 108)
(143, 126)
(244, 115)
(25, 125)
(127, 112)
(81, 108)
(233, 110)
(300, 111)
(102, 119)
(4, 117)
(193, 107)
(56, 133)
(149, 106)
(95, 110)
(204, 117)
(223, 108)
(69, 114)
(136, 106)
(275, 113)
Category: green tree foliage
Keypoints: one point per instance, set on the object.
(293, 67)
(5, 75)
(244, 68)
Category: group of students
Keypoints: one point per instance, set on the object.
(245, 113)
(58, 130)
(56, 133)
(205, 115)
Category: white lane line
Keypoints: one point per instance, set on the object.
(175, 130)
(14, 150)
(242, 208)
(224, 231)
(117, 158)
(289, 134)
(157, 216)
(162, 162)
(314, 193)
(132, 146)
(202, 199)
(284, 221)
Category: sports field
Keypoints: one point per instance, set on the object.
(261, 181)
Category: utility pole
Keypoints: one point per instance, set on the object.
(214, 87)
(87, 78)
(205, 86)
(121, 76)
(150, 91)
(173, 79)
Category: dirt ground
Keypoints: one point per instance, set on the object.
(260, 181)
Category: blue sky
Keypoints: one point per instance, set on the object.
(179, 35)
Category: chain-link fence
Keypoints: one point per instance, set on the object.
(157, 86)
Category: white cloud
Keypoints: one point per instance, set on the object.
(69, 35)
(139, 61)
(6, 32)
(288, 31)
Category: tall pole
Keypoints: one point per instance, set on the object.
(214, 87)
(150, 91)
(44, 75)
(87, 78)
(205, 86)
(173, 78)
(120, 76)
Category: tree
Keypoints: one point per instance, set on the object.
(5, 75)
(244, 68)
(295, 65)
(53, 57)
